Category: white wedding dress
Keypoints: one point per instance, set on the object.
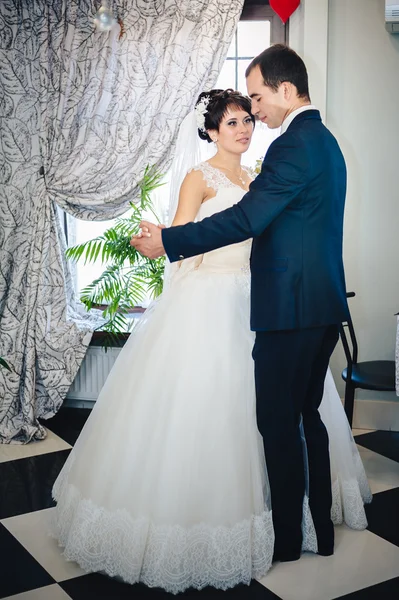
(167, 482)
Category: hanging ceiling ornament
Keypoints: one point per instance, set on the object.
(284, 8)
(104, 19)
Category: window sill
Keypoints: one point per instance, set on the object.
(99, 336)
(132, 311)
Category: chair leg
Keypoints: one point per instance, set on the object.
(349, 401)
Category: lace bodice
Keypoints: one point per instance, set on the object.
(229, 259)
(216, 179)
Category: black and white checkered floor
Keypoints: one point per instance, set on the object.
(365, 565)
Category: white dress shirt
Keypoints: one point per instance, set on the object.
(288, 120)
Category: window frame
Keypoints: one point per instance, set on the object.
(254, 11)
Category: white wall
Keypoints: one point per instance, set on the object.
(308, 35)
(358, 93)
(363, 113)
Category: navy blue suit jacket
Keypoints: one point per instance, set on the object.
(294, 212)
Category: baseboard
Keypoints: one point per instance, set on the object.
(75, 403)
(368, 413)
(376, 414)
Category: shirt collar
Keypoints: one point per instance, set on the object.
(287, 122)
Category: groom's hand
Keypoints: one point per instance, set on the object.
(149, 241)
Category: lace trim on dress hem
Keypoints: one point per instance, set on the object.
(168, 556)
(174, 557)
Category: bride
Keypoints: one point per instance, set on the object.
(167, 483)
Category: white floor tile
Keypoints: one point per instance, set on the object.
(50, 592)
(361, 559)
(52, 443)
(382, 472)
(32, 531)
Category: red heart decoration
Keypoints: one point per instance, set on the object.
(284, 8)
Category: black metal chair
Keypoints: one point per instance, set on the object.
(371, 375)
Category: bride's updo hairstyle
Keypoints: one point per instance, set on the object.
(212, 106)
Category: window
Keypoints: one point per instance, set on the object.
(83, 231)
(258, 27)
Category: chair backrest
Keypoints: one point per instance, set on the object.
(350, 354)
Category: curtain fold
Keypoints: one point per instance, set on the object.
(82, 113)
(122, 101)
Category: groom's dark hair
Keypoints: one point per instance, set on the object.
(280, 63)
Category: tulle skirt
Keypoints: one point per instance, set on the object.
(167, 483)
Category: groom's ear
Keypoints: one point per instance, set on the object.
(288, 90)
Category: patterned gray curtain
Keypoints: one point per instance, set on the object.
(82, 113)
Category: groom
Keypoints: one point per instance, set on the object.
(294, 213)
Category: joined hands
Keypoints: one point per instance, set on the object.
(149, 241)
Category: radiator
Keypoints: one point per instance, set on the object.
(91, 376)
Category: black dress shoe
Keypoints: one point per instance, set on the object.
(286, 556)
(325, 539)
(325, 550)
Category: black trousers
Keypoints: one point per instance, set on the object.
(290, 368)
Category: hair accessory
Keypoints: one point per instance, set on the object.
(200, 110)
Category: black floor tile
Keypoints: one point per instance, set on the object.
(26, 484)
(388, 590)
(383, 442)
(383, 515)
(68, 423)
(100, 586)
(20, 572)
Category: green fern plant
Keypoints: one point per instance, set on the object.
(128, 275)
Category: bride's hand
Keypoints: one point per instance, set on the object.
(146, 231)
